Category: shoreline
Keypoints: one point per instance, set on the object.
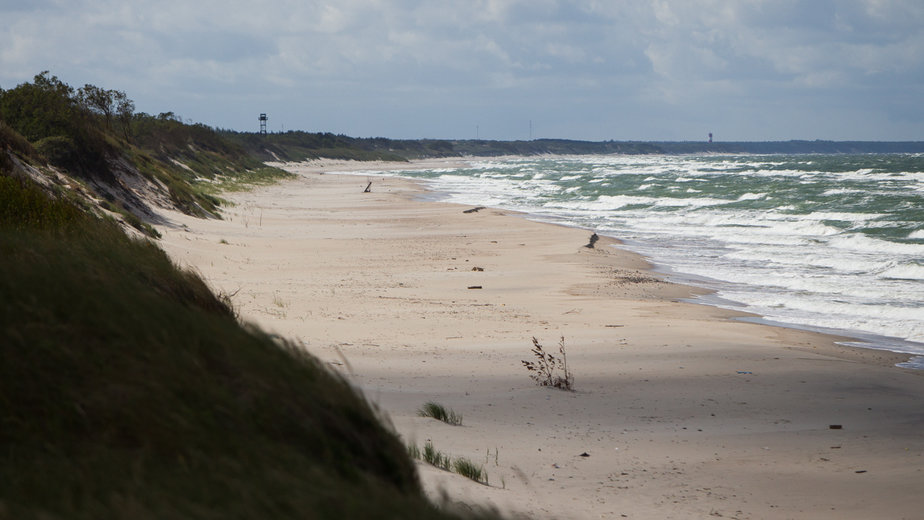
(699, 292)
(683, 411)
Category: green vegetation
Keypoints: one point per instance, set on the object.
(299, 146)
(52, 116)
(245, 180)
(469, 469)
(194, 161)
(413, 451)
(24, 207)
(129, 390)
(434, 457)
(440, 413)
(94, 135)
(460, 465)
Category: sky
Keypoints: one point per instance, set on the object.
(745, 70)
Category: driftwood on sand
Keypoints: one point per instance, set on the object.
(593, 240)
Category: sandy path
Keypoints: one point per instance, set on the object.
(683, 412)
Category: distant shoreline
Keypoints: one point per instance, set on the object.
(794, 147)
(298, 146)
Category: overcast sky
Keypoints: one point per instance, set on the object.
(594, 69)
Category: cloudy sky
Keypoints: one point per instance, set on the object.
(593, 69)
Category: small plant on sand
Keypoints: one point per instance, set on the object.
(548, 370)
(469, 469)
(413, 451)
(439, 412)
(279, 302)
(435, 457)
(461, 465)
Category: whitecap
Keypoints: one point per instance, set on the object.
(905, 271)
(840, 215)
(840, 191)
(863, 243)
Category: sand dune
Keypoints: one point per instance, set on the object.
(681, 411)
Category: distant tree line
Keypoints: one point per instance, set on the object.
(64, 124)
(80, 130)
(94, 133)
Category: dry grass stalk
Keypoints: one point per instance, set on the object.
(549, 370)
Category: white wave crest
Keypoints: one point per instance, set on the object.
(904, 272)
(863, 243)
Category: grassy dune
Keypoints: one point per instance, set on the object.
(129, 390)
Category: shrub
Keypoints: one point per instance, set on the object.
(23, 205)
(48, 108)
(59, 150)
(12, 140)
(549, 370)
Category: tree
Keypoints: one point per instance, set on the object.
(61, 124)
(40, 109)
(98, 100)
(125, 109)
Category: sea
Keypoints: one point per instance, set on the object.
(833, 243)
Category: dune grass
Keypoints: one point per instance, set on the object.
(435, 457)
(469, 469)
(128, 390)
(440, 413)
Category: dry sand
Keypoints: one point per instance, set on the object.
(681, 411)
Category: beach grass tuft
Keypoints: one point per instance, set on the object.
(469, 469)
(460, 465)
(439, 412)
(435, 457)
(413, 451)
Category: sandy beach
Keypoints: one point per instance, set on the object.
(679, 410)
